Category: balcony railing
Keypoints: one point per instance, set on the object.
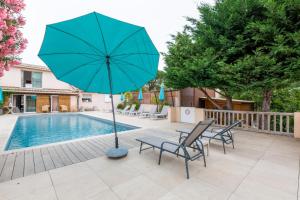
(268, 122)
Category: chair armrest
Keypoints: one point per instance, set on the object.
(187, 131)
(215, 130)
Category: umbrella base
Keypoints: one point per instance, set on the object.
(115, 153)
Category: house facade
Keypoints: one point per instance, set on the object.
(30, 87)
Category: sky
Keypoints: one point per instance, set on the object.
(161, 18)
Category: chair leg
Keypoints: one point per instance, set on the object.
(141, 148)
(160, 154)
(207, 147)
(204, 159)
(187, 169)
(232, 144)
(224, 148)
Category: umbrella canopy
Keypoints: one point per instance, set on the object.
(96, 53)
(1, 96)
(140, 97)
(162, 93)
(122, 97)
(78, 50)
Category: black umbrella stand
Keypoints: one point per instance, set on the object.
(115, 152)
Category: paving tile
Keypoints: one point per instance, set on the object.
(196, 189)
(26, 186)
(138, 188)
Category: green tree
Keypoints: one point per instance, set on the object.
(271, 50)
(237, 45)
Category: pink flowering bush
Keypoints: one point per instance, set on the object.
(12, 43)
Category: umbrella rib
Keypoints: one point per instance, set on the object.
(101, 33)
(133, 65)
(49, 54)
(129, 36)
(131, 54)
(94, 76)
(78, 38)
(79, 66)
(70, 53)
(120, 68)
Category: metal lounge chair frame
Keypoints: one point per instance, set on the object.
(225, 135)
(191, 141)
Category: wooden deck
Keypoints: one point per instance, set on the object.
(28, 162)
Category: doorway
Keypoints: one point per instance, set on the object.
(18, 102)
(54, 103)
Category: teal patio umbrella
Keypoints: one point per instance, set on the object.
(162, 92)
(1, 95)
(140, 97)
(96, 53)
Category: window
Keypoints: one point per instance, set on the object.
(31, 79)
(86, 98)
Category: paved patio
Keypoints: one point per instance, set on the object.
(261, 167)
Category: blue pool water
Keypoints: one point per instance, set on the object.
(44, 129)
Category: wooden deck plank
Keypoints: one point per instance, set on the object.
(47, 159)
(29, 163)
(83, 151)
(75, 151)
(96, 149)
(8, 167)
(64, 158)
(88, 148)
(55, 157)
(19, 165)
(98, 145)
(70, 154)
(39, 165)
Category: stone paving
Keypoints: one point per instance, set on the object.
(260, 167)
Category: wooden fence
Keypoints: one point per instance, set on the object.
(268, 122)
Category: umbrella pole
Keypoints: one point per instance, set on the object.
(112, 102)
(114, 152)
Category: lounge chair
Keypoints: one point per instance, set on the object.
(121, 111)
(63, 108)
(132, 108)
(190, 142)
(148, 114)
(225, 134)
(137, 112)
(45, 108)
(162, 115)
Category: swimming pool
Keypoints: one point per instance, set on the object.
(36, 130)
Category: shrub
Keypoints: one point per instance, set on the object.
(121, 106)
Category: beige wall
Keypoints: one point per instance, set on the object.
(50, 81)
(12, 78)
(73, 103)
(98, 101)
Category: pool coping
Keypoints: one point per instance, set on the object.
(3, 151)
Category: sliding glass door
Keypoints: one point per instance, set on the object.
(30, 103)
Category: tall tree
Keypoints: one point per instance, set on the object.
(12, 42)
(238, 45)
(271, 47)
